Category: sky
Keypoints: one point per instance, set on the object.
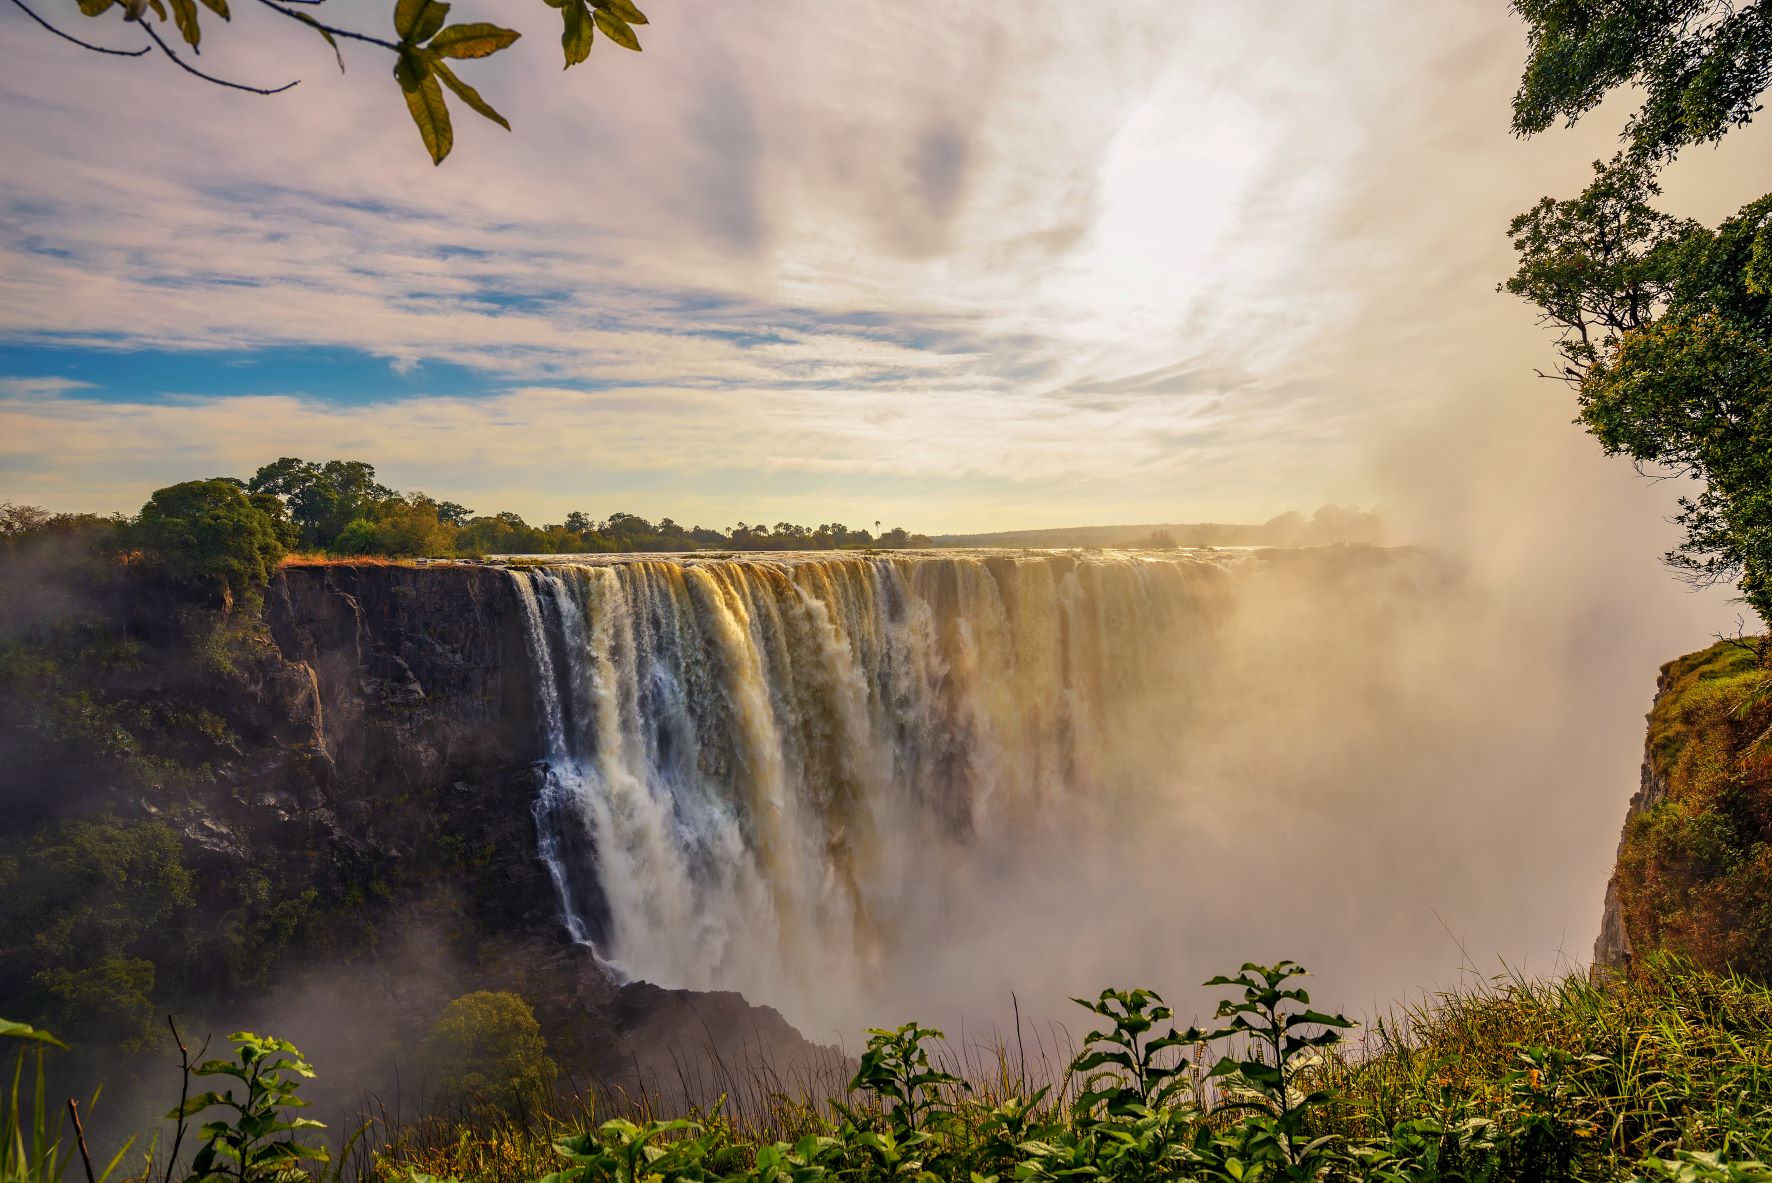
(961, 266)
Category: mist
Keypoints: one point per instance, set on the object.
(1403, 777)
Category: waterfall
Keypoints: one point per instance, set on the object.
(760, 769)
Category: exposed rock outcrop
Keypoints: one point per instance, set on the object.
(1612, 948)
(1694, 870)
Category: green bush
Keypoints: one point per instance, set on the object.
(86, 902)
(486, 1051)
(212, 539)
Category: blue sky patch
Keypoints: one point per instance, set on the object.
(328, 373)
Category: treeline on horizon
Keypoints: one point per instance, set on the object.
(338, 508)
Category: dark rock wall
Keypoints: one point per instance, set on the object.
(425, 720)
(422, 733)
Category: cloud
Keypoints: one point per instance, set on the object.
(42, 387)
(1173, 261)
(981, 202)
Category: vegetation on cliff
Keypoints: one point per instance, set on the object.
(140, 703)
(1694, 871)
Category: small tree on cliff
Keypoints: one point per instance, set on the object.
(212, 539)
(486, 1050)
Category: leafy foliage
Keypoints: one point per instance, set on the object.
(86, 899)
(1659, 1077)
(424, 45)
(487, 1049)
(340, 508)
(1700, 64)
(1665, 325)
(212, 538)
(255, 1141)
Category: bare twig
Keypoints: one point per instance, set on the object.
(80, 1137)
(184, 1093)
(122, 53)
(190, 69)
(304, 18)
(1759, 647)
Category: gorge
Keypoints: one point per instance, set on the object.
(656, 794)
(779, 775)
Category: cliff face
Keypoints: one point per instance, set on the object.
(424, 729)
(341, 795)
(1694, 870)
(1612, 948)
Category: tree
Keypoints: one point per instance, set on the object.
(322, 499)
(452, 512)
(1600, 264)
(1665, 325)
(211, 539)
(85, 900)
(1700, 65)
(487, 1049)
(423, 45)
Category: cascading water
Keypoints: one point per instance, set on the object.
(753, 763)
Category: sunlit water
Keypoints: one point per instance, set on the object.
(759, 768)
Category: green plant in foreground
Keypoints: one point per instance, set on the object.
(1662, 1078)
(245, 1147)
(33, 1149)
(895, 1068)
(1125, 1067)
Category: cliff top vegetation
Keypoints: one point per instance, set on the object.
(1695, 867)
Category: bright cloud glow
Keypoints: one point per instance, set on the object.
(976, 265)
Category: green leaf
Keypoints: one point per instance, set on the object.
(12, 1030)
(197, 1104)
(220, 8)
(95, 7)
(417, 20)
(424, 98)
(430, 20)
(613, 28)
(625, 10)
(472, 41)
(184, 14)
(576, 38)
(466, 93)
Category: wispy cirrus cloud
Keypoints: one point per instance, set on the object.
(1153, 251)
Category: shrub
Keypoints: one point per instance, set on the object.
(486, 1050)
(212, 539)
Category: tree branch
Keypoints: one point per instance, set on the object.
(190, 69)
(122, 53)
(310, 22)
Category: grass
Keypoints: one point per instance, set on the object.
(1671, 1057)
(1665, 1074)
(1517, 1081)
